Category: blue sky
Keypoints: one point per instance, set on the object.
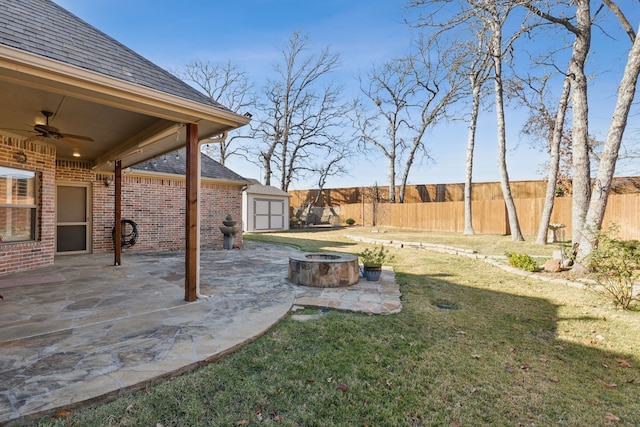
(249, 33)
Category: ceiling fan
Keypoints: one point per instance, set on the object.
(47, 131)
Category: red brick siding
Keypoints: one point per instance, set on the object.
(41, 159)
(156, 204)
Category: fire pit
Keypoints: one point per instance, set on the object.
(324, 269)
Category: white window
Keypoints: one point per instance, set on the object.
(18, 205)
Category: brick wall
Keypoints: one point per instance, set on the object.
(157, 206)
(40, 158)
(155, 203)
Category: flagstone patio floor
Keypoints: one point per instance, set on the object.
(84, 331)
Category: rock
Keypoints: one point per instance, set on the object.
(552, 266)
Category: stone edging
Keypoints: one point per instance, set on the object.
(469, 253)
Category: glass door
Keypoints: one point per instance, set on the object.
(72, 219)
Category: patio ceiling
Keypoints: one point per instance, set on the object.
(126, 121)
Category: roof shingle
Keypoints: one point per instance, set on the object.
(43, 28)
(175, 163)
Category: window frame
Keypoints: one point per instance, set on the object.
(10, 174)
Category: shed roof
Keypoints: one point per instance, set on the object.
(267, 190)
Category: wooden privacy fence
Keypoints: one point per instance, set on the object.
(490, 216)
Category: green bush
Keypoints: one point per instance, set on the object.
(522, 261)
(615, 266)
(350, 221)
(378, 256)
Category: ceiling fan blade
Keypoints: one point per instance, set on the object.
(80, 137)
(71, 141)
(34, 138)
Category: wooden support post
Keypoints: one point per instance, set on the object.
(192, 250)
(117, 241)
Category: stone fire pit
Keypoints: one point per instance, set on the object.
(324, 269)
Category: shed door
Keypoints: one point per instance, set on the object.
(72, 219)
(268, 214)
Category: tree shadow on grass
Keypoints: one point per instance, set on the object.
(502, 357)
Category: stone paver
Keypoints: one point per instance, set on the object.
(107, 329)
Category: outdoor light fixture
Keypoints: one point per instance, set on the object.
(107, 181)
(76, 154)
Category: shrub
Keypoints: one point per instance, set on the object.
(615, 266)
(377, 256)
(522, 261)
(350, 221)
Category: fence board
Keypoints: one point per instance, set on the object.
(490, 216)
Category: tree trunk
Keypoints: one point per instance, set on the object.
(392, 180)
(516, 234)
(554, 163)
(581, 185)
(607, 165)
(473, 123)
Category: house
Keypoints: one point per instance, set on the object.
(79, 110)
(264, 208)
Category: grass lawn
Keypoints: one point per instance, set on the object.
(513, 351)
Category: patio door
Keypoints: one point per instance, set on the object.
(72, 219)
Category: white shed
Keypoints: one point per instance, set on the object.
(264, 208)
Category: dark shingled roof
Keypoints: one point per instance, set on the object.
(43, 28)
(175, 163)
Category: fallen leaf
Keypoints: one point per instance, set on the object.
(62, 413)
(398, 397)
(605, 365)
(243, 423)
(461, 332)
(623, 362)
(329, 379)
(554, 379)
(342, 387)
(376, 358)
(613, 418)
(389, 383)
(277, 419)
(543, 359)
(259, 415)
(310, 381)
(476, 356)
(610, 385)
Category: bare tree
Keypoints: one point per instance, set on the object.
(380, 123)
(589, 204)
(495, 15)
(461, 16)
(440, 82)
(609, 156)
(578, 24)
(301, 111)
(479, 72)
(332, 164)
(227, 85)
(544, 125)
(410, 95)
